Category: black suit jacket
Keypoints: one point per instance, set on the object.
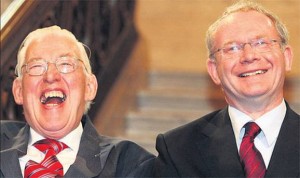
(207, 148)
(98, 156)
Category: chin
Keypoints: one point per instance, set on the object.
(54, 125)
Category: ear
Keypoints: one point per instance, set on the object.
(288, 58)
(211, 65)
(91, 87)
(18, 91)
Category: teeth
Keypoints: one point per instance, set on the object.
(253, 73)
(52, 94)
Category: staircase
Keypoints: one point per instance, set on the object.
(173, 99)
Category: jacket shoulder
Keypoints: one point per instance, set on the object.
(195, 126)
(10, 128)
(127, 148)
(126, 159)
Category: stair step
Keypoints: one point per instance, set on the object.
(176, 99)
(159, 121)
(143, 126)
(295, 106)
(179, 79)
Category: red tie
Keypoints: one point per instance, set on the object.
(50, 166)
(251, 158)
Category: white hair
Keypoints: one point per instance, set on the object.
(43, 32)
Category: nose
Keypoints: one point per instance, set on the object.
(249, 54)
(51, 74)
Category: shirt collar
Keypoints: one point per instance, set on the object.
(72, 139)
(269, 123)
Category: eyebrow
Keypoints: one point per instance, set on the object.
(255, 38)
(61, 55)
(66, 54)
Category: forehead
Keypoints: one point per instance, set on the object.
(51, 46)
(244, 26)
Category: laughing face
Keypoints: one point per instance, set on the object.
(54, 102)
(253, 78)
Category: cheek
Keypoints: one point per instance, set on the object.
(227, 73)
(77, 86)
(30, 86)
(283, 65)
(276, 58)
(225, 69)
(30, 96)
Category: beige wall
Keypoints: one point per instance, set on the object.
(175, 30)
(4, 5)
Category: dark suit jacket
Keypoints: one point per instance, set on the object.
(207, 148)
(98, 156)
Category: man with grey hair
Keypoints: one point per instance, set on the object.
(257, 135)
(55, 85)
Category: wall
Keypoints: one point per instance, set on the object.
(175, 30)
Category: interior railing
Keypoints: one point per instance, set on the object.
(106, 26)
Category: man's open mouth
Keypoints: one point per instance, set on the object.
(53, 97)
(258, 72)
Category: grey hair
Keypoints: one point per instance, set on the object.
(53, 30)
(245, 6)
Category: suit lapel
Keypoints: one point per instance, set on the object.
(285, 160)
(90, 160)
(10, 166)
(219, 151)
(92, 154)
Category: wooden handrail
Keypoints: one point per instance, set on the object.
(14, 19)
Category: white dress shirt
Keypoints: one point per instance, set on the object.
(66, 157)
(270, 124)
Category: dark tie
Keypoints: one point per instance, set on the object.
(251, 158)
(50, 166)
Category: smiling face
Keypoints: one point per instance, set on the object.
(54, 102)
(252, 80)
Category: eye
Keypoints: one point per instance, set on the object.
(65, 65)
(260, 42)
(232, 48)
(65, 62)
(35, 65)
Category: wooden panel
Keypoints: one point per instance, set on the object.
(121, 98)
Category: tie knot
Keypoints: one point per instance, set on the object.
(251, 129)
(50, 144)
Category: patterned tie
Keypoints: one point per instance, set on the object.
(251, 158)
(50, 166)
